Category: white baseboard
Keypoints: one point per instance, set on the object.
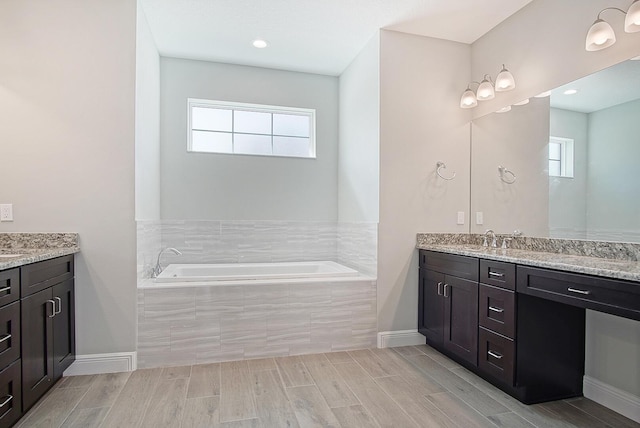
(609, 396)
(391, 339)
(102, 363)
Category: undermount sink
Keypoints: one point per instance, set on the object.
(8, 256)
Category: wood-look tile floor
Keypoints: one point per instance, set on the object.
(412, 386)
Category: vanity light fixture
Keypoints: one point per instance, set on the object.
(487, 89)
(601, 35)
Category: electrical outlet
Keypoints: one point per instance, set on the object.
(460, 217)
(479, 218)
(6, 212)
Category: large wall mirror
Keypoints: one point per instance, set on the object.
(563, 166)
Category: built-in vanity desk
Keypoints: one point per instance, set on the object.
(37, 317)
(517, 317)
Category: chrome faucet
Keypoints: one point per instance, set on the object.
(494, 243)
(157, 270)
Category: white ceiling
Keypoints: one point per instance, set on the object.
(316, 36)
(606, 88)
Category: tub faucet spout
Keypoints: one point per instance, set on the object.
(157, 270)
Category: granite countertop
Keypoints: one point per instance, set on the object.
(26, 248)
(605, 267)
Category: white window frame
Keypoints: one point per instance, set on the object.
(566, 156)
(236, 106)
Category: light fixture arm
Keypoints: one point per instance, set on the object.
(611, 8)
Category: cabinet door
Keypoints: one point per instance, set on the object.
(431, 306)
(461, 318)
(37, 346)
(64, 338)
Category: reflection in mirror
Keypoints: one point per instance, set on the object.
(576, 157)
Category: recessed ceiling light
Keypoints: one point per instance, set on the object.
(544, 94)
(260, 44)
(570, 91)
(523, 102)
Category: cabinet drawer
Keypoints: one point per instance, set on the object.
(41, 275)
(9, 286)
(499, 274)
(606, 295)
(10, 395)
(496, 355)
(9, 334)
(450, 264)
(497, 310)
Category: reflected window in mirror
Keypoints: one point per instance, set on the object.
(560, 157)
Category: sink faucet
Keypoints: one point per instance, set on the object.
(158, 268)
(494, 243)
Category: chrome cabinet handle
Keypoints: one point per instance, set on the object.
(3, 289)
(575, 290)
(494, 355)
(440, 289)
(445, 290)
(59, 300)
(4, 403)
(5, 337)
(53, 308)
(496, 274)
(494, 309)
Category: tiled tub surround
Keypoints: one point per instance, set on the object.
(35, 247)
(194, 324)
(208, 241)
(608, 259)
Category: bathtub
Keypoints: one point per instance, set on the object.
(253, 271)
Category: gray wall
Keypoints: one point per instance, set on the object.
(420, 124)
(67, 96)
(147, 122)
(359, 150)
(568, 196)
(227, 187)
(614, 173)
(555, 55)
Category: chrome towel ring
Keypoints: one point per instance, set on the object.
(504, 172)
(440, 166)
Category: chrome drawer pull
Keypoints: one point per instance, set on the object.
(494, 355)
(59, 300)
(4, 403)
(496, 274)
(498, 310)
(53, 308)
(439, 289)
(445, 290)
(575, 290)
(5, 337)
(3, 289)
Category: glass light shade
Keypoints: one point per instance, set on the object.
(522, 103)
(632, 20)
(468, 99)
(485, 91)
(505, 80)
(600, 36)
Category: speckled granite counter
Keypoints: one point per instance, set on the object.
(622, 262)
(18, 249)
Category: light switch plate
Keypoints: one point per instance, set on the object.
(460, 217)
(479, 218)
(6, 212)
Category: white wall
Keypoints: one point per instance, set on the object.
(543, 45)
(420, 123)
(568, 196)
(226, 187)
(359, 149)
(614, 173)
(67, 92)
(147, 122)
(517, 140)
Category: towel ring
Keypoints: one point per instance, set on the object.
(441, 165)
(502, 172)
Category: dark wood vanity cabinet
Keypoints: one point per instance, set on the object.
(448, 304)
(10, 333)
(48, 340)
